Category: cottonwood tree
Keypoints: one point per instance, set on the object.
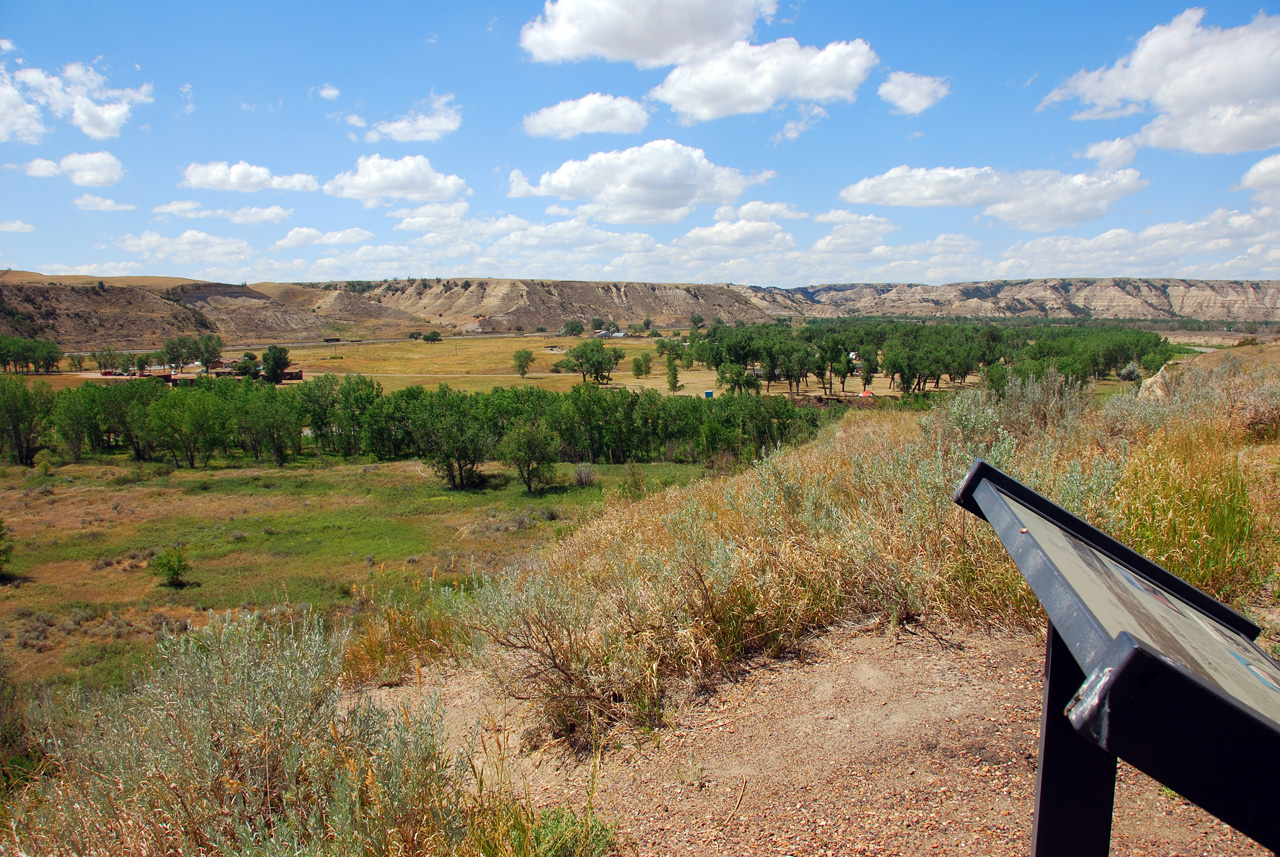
(124, 414)
(523, 359)
(75, 418)
(353, 399)
(107, 360)
(275, 360)
(317, 400)
(209, 347)
(532, 449)
(24, 416)
(593, 361)
(190, 423)
(737, 378)
(454, 435)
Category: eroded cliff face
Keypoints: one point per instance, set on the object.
(498, 305)
(80, 313)
(1112, 297)
(142, 312)
(96, 316)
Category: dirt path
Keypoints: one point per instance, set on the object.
(865, 745)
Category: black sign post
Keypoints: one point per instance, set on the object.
(1140, 666)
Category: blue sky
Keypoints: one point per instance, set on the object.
(764, 142)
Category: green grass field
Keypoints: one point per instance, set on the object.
(81, 594)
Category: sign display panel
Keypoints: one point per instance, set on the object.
(1140, 666)
(1122, 600)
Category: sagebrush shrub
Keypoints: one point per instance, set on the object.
(660, 596)
(236, 743)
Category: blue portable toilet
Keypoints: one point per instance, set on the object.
(710, 394)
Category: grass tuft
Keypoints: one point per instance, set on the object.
(662, 596)
(235, 743)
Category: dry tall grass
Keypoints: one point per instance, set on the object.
(661, 596)
(235, 744)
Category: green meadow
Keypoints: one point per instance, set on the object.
(324, 534)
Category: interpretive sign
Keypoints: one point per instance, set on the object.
(1141, 666)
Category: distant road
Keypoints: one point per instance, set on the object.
(318, 343)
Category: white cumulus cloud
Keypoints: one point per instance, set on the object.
(1224, 244)
(94, 169)
(746, 78)
(376, 178)
(1111, 154)
(571, 234)
(591, 114)
(737, 235)
(19, 119)
(95, 269)
(328, 92)
(431, 217)
(191, 246)
(244, 177)
(301, 236)
(89, 202)
(852, 233)
(1212, 90)
(648, 33)
(1263, 178)
(659, 182)
(80, 92)
(1038, 200)
(810, 115)
(16, 226)
(759, 211)
(42, 168)
(252, 216)
(913, 94)
(443, 118)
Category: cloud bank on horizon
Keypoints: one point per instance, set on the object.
(765, 142)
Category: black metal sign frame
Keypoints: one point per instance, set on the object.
(1141, 666)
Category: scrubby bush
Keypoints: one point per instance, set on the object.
(1132, 371)
(171, 566)
(235, 743)
(659, 597)
(17, 756)
(6, 548)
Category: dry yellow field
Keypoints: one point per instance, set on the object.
(477, 363)
(480, 363)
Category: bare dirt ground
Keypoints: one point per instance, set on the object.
(864, 744)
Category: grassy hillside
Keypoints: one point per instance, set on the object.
(646, 602)
(657, 599)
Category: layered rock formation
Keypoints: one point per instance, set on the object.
(1114, 297)
(81, 312)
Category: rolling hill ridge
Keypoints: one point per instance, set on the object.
(141, 312)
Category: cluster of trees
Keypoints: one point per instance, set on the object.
(19, 355)
(28, 355)
(592, 360)
(528, 428)
(914, 355)
(182, 351)
(177, 353)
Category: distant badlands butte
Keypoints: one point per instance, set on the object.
(144, 311)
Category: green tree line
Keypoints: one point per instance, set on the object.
(455, 432)
(28, 355)
(913, 355)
